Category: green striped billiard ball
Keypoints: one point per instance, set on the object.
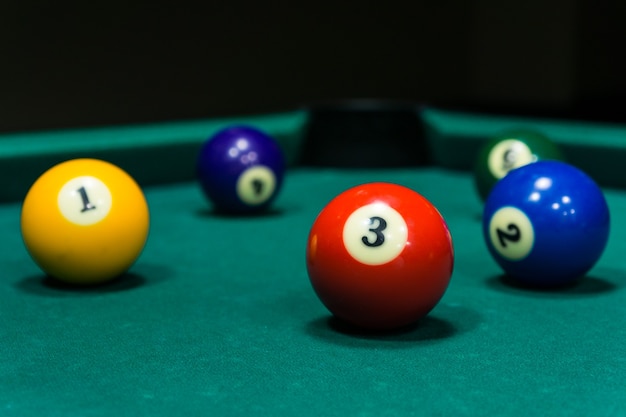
(508, 151)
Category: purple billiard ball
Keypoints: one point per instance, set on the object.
(241, 170)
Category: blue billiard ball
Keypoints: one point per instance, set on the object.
(546, 224)
(240, 169)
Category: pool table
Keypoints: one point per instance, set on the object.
(217, 316)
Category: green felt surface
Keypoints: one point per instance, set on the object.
(153, 154)
(217, 317)
(165, 152)
(597, 148)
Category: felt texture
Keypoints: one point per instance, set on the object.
(217, 317)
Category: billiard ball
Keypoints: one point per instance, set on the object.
(379, 256)
(241, 169)
(546, 224)
(84, 221)
(508, 151)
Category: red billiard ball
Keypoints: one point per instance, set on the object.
(380, 256)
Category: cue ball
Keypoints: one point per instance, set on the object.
(546, 224)
(509, 151)
(241, 170)
(379, 256)
(84, 221)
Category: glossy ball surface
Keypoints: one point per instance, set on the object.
(546, 224)
(241, 170)
(379, 256)
(509, 151)
(85, 221)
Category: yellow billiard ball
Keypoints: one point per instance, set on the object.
(85, 221)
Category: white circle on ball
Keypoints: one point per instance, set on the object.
(84, 200)
(256, 185)
(507, 155)
(511, 233)
(375, 234)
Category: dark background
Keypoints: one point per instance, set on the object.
(96, 63)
